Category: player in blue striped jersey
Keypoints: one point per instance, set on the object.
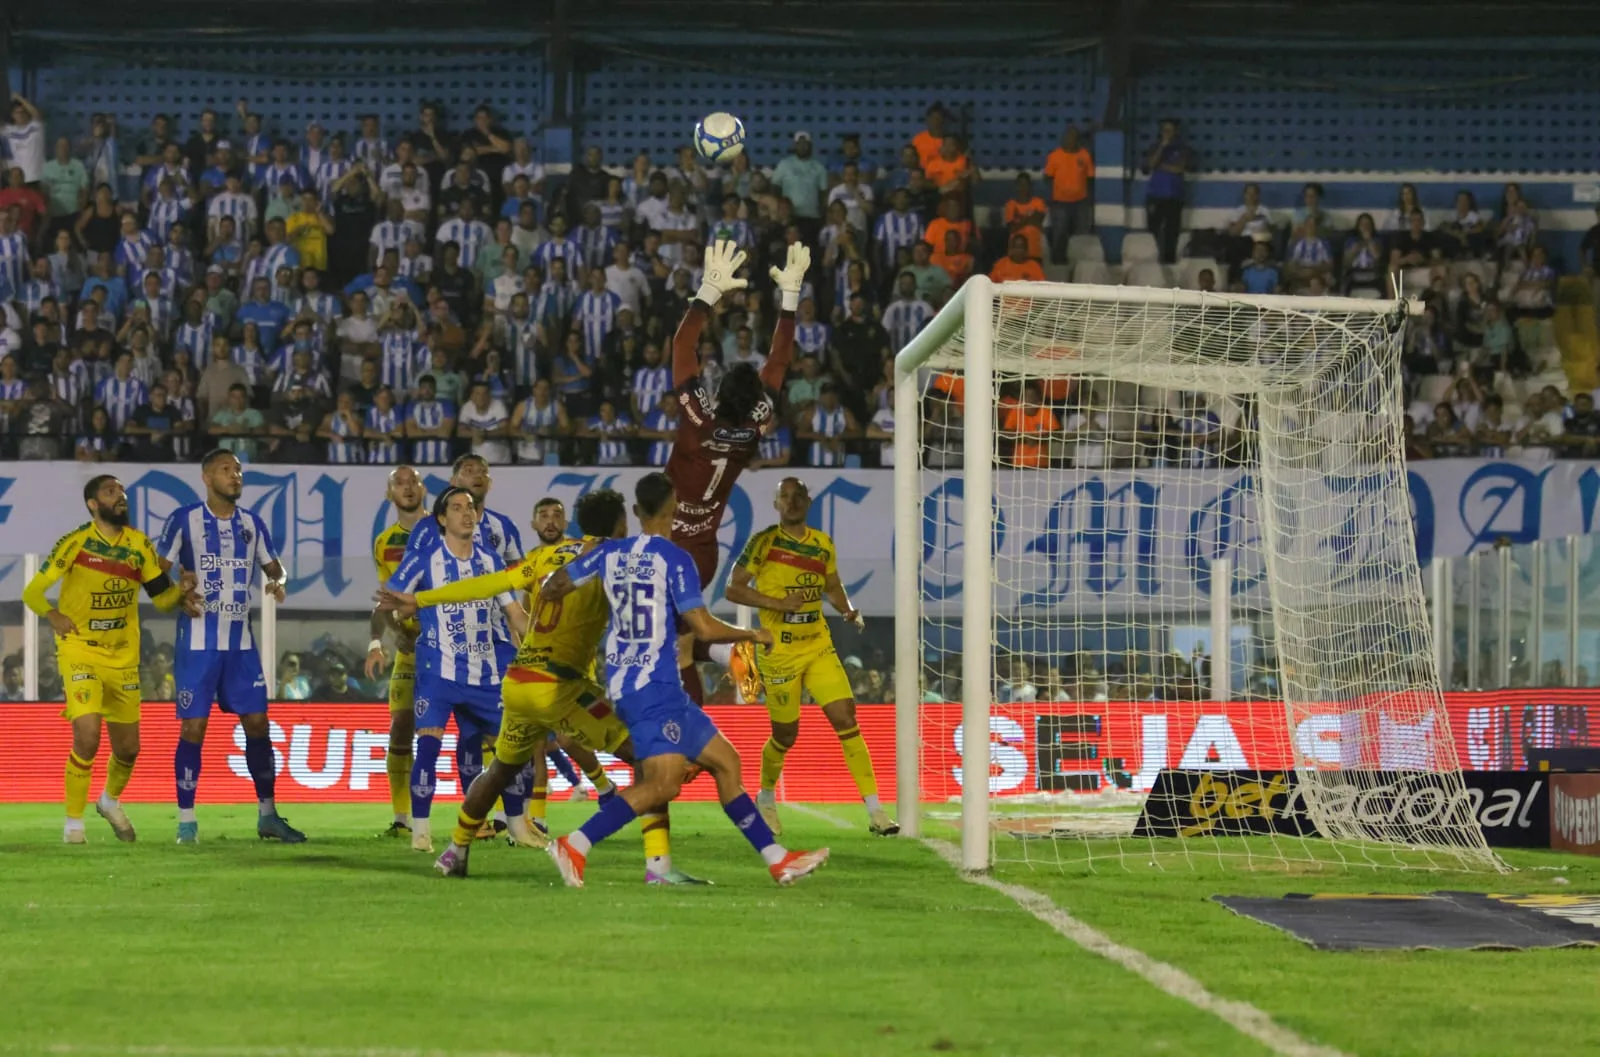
(468, 233)
(595, 240)
(496, 532)
(595, 315)
(225, 548)
(661, 428)
(14, 256)
(907, 314)
(122, 393)
(651, 381)
(383, 428)
(811, 336)
(462, 653)
(651, 583)
(430, 423)
(897, 228)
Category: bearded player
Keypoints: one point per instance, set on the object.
(405, 494)
(719, 434)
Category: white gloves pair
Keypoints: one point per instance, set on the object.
(725, 258)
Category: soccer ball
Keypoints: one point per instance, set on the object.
(719, 137)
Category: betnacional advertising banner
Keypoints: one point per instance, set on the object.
(1103, 541)
(335, 753)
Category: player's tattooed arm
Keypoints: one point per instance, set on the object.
(275, 578)
(741, 591)
(518, 619)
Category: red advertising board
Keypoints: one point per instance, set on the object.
(330, 753)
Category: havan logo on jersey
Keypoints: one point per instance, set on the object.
(111, 599)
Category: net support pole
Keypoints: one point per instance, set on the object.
(1574, 581)
(977, 570)
(1536, 617)
(1475, 621)
(30, 635)
(1502, 641)
(1221, 630)
(269, 637)
(908, 607)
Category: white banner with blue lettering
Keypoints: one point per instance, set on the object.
(1110, 541)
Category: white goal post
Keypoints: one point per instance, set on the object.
(1278, 418)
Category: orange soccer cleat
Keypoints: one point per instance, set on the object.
(796, 865)
(570, 863)
(746, 676)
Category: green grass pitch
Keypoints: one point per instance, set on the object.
(349, 945)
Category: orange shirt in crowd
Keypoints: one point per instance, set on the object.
(1006, 270)
(1016, 210)
(927, 145)
(953, 386)
(958, 266)
(939, 171)
(1069, 174)
(935, 233)
(1030, 426)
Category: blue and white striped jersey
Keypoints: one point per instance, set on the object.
(329, 173)
(496, 533)
(166, 277)
(536, 419)
(181, 262)
(120, 397)
(430, 414)
(595, 245)
(562, 248)
(323, 305)
(523, 337)
(375, 152)
(648, 385)
(384, 452)
(404, 359)
(657, 421)
(255, 268)
(896, 230)
(392, 235)
(253, 360)
(162, 315)
(812, 338)
(128, 256)
(827, 424)
(348, 448)
(553, 303)
(777, 444)
(613, 449)
(466, 643)
(241, 207)
(904, 320)
(280, 255)
(736, 231)
(226, 556)
(471, 235)
(14, 260)
(33, 293)
(650, 581)
(165, 212)
(595, 314)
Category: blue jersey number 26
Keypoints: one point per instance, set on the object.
(642, 612)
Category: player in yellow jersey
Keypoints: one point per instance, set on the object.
(406, 494)
(549, 687)
(785, 572)
(101, 565)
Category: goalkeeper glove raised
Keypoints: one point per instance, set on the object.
(722, 260)
(792, 276)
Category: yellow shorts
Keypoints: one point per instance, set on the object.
(791, 671)
(534, 708)
(403, 683)
(96, 688)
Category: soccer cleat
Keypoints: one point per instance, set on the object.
(671, 877)
(397, 829)
(74, 835)
(767, 804)
(421, 835)
(521, 834)
(796, 865)
(276, 827)
(879, 824)
(580, 793)
(453, 863)
(188, 833)
(118, 819)
(487, 831)
(569, 862)
(742, 666)
(541, 825)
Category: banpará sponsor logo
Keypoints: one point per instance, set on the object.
(213, 563)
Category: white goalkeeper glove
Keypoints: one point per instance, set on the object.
(792, 276)
(721, 261)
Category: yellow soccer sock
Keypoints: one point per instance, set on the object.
(772, 756)
(118, 771)
(399, 767)
(539, 797)
(657, 830)
(859, 760)
(79, 772)
(597, 775)
(466, 830)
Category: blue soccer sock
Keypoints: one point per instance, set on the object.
(564, 765)
(186, 773)
(741, 811)
(469, 761)
(263, 767)
(422, 775)
(515, 795)
(614, 815)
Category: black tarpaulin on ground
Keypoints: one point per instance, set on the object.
(1437, 921)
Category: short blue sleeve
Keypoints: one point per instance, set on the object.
(423, 536)
(265, 551)
(587, 566)
(171, 541)
(513, 550)
(409, 574)
(683, 581)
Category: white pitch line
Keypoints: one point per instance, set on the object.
(69, 1049)
(1241, 1016)
(826, 816)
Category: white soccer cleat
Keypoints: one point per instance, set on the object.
(71, 834)
(796, 865)
(767, 804)
(421, 835)
(112, 812)
(520, 833)
(879, 824)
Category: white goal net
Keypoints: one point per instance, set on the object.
(1188, 609)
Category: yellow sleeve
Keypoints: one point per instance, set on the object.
(377, 554)
(55, 567)
(167, 598)
(831, 566)
(478, 587)
(755, 552)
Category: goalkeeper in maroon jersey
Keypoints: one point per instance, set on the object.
(720, 433)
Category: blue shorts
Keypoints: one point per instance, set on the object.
(231, 679)
(662, 721)
(476, 708)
